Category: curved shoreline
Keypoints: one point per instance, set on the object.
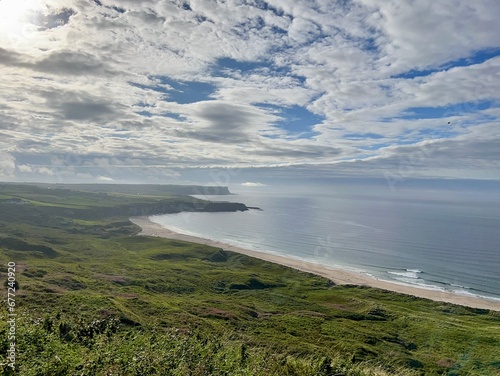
(338, 276)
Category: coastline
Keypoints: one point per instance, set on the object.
(338, 276)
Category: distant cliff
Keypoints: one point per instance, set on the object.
(144, 189)
(49, 204)
(172, 207)
(140, 209)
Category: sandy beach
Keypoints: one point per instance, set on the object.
(338, 276)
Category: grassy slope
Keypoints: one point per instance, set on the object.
(95, 299)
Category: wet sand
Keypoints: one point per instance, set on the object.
(338, 276)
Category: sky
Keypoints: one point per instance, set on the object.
(242, 91)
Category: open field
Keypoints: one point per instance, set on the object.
(95, 299)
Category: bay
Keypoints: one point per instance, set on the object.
(434, 239)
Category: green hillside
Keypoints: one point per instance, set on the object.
(93, 298)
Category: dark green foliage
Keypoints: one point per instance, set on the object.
(252, 284)
(22, 246)
(219, 256)
(35, 273)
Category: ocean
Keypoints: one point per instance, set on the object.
(443, 239)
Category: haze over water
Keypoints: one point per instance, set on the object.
(445, 239)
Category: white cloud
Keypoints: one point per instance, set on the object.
(104, 178)
(25, 168)
(303, 31)
(45, 171)
(88, 97)
(425, 33)
(7, 164)
(253, 184)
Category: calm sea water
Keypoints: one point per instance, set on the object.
(443, 240)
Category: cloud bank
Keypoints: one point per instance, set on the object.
(144, 90)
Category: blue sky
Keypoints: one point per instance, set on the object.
(156, 90)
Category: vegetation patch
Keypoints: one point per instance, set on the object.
(67, 282)
(118, 279)
(15, 244)
(35, 273)
(251, 284)
(218, 256)
(169, 256)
